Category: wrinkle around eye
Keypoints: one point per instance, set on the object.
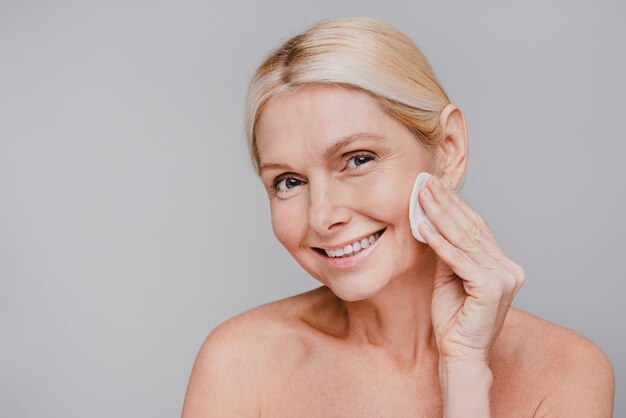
(373, 158)
(366, 166)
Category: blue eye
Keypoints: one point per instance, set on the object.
(289, 181)
(361, 157)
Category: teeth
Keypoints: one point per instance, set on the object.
(354, 248)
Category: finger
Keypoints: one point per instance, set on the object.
(468, 211)
(443, 196)
(454, 197)
(464, 237)
(487, 239)
(469, 220)
(457, 260)
(477, 283)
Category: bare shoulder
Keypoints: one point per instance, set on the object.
(261, 333)
(572, 374)
(546, 341)
(241, 355)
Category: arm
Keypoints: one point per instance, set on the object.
(465, 389)
(473, 288)
(222, 382)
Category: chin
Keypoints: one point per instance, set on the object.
(355, 288)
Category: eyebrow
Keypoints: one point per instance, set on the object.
(332, 149)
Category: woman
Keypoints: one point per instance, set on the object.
(341, 119)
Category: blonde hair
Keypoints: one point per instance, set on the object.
(355, 52)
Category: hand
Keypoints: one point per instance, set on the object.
(474, 281)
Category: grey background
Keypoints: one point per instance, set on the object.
(131, 222)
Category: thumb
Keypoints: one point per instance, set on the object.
(443, 273)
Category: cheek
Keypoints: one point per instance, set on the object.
(390, 196)
(285, 225)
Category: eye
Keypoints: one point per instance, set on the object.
(291, 182)
(288, 181)
(362, 158)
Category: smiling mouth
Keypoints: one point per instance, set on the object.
(323, 252)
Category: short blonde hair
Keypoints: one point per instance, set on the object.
(355, 52)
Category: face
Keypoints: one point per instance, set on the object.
(324, 197)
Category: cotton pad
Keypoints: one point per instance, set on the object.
(416, 212)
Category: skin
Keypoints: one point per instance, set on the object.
(414, 329)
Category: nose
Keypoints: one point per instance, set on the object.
(327, 213)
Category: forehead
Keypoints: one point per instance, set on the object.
(313, 117)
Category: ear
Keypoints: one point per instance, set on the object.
(452, 150)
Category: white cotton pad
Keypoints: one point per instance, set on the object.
(416, 212)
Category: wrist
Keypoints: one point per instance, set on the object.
(465, 387)
(454, 364)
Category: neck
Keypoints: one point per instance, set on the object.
(397, 320)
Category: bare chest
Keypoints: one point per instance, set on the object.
(337, 393)
(343, 389)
